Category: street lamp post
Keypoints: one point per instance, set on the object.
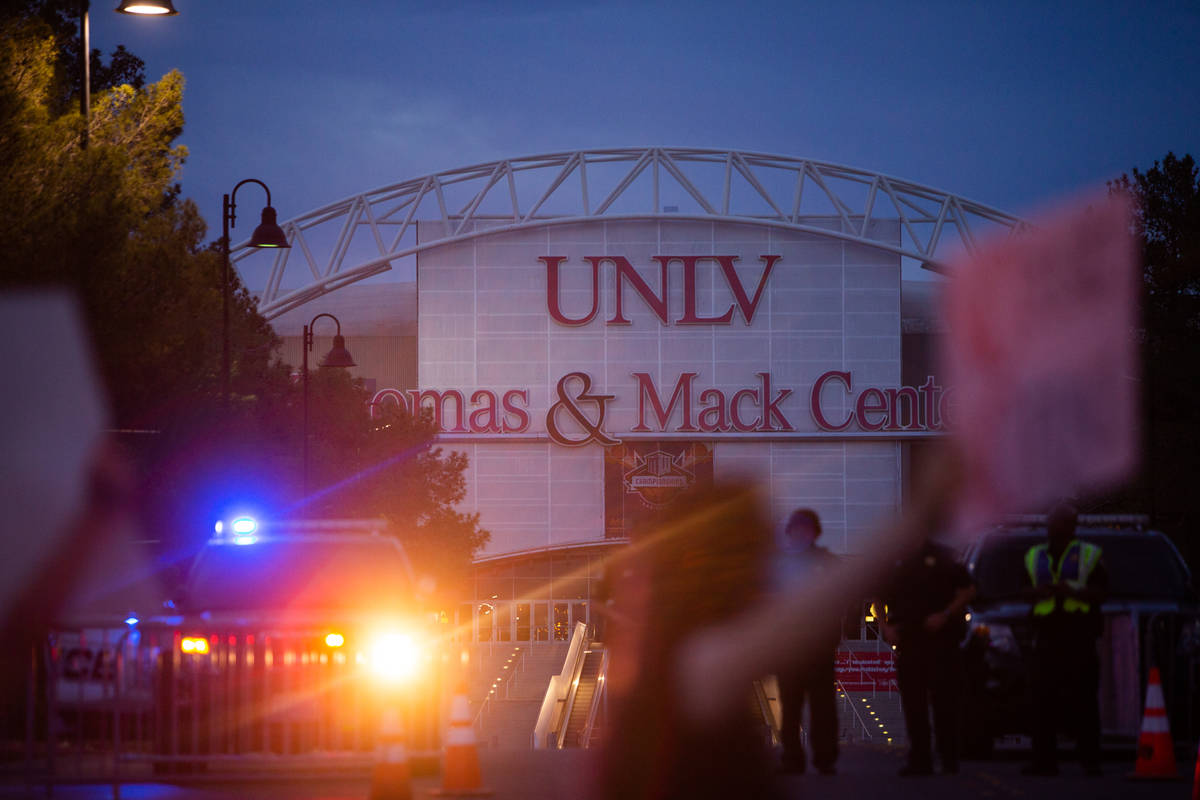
(140, 8)
(338, 356)
(267, 234)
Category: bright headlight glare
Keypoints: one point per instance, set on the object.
(195, 645)
(394, 657)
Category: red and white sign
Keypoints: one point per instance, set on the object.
(865, 672)
(1043, 360)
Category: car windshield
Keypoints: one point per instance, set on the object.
(1140, 566)
(300, 574)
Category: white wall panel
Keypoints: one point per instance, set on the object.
(827, 305)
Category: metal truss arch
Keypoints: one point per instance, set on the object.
(365, 234)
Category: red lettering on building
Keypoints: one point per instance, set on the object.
(690, 317)
(518, 411)
(717, 413)
(417, 398)
(903, 408)
(815, 401)
(747, 305)
(384, 395)
(490, 413)
(897, 415)
(486, 418)
(625, 274)
(713, 416)
(552, 292)
(771, 410)
(870, 401)
(735, 404)
(682, 394)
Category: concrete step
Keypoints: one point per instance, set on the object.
(881, 713)
(508, 721)
(509, 725)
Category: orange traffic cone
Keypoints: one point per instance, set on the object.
(460, 773)
(391, 778)
(1156, 752)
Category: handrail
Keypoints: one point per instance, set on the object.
(475, 723)
(505, 682)
(597, 699)
(764, 708)
(573, 686)
(854, 710)
(556, 693)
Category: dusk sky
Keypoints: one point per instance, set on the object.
(1010, 104)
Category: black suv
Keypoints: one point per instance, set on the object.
(1150, 619)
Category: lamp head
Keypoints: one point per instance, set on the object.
(268, 233)
(147, 8)
(338, 355)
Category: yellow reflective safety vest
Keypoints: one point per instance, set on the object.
(1076, 564)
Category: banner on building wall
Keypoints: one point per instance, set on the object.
(865, 671)
(640, 477)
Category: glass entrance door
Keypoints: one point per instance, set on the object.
(522, 622)
(562, 622)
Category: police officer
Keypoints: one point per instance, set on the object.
(811, 675)
(925, 622)
(1067, 583)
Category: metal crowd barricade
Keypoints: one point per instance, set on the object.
(123, 705)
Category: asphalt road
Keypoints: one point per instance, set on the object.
(863, 772)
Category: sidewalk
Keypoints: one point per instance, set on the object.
(863, 771)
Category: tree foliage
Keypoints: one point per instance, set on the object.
(1167, 222)
(60, 19)
(108, 221)
(386, 462)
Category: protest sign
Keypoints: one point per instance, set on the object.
(1041, 355)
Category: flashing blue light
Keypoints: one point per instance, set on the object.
(219, 527)
(131, 620)
(245, 539)
(244, 525)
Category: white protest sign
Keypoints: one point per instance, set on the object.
(52, 419)
(1041, 355)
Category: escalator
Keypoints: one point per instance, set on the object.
(583, 699)
(765, 708)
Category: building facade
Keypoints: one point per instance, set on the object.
(594, 364)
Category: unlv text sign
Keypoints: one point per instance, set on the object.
(625, 275)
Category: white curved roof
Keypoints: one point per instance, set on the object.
(374, 232)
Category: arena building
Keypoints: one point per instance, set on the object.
(600, 330)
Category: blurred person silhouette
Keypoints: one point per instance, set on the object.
(924, 619)
(1067, 583)
(698, 627)
(694, 565)
(812, 676)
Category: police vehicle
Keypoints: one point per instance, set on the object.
(290, 637)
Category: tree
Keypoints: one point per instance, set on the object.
(385, 464)
(109, 222)
(60, 19)
(1167, 223)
